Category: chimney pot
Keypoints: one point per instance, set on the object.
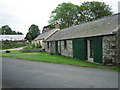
(57, 26)
(48, 28)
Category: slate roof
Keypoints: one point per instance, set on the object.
(44, 35)
(12, 37)
(104, 26)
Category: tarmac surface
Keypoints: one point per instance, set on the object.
(17, 73)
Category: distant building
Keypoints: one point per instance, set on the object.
(12, 37)
(45, 34)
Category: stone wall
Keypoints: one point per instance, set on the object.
(59, 46)
(46, 48)
(68, 51)
(51, 47)
(118, 46)
(38, 42)
(110, 49)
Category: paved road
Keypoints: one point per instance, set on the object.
(30, 74)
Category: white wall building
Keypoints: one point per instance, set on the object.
(12, 37)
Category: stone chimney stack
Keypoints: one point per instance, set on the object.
(57, 26)
(48, 28)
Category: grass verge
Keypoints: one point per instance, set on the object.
(46, 57)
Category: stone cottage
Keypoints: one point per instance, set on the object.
(95, 41)
(39, 40)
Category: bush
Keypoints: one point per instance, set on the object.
(32, 50)
(38, 46)
(8, 44)
(33, 46)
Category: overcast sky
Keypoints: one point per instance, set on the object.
(20, 14)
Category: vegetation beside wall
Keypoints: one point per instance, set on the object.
(32, 48)
(9, 44)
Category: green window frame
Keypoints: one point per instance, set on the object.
(47, 44)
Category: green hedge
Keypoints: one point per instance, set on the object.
(8, 44)
(32, 50)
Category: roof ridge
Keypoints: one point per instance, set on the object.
(99, 27)
(91, 21)
(44, 34)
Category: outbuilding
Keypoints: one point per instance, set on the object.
(12, 37)
(95, 41)
(39, 40)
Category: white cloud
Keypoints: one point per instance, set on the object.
(20, 14)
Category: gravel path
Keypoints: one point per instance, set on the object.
(12, 49)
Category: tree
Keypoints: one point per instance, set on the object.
(64, 14)
(51, 26)
(6, 30)
(33, 32)
(68, 14)
(19, 33)
(93, 10)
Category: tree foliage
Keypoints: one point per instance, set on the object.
(68, 14)
(52, 26)
(6, 30)
(65, 14)
(33, 32)
(93, 10)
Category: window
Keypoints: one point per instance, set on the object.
(65, 44)
(47, 44)
(39, 43)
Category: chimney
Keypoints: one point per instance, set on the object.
(48, 28)
(57, 26)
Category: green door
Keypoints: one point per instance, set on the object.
(79, 49)
(97, 49)
(56, 47)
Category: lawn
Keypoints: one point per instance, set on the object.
(46, 57)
